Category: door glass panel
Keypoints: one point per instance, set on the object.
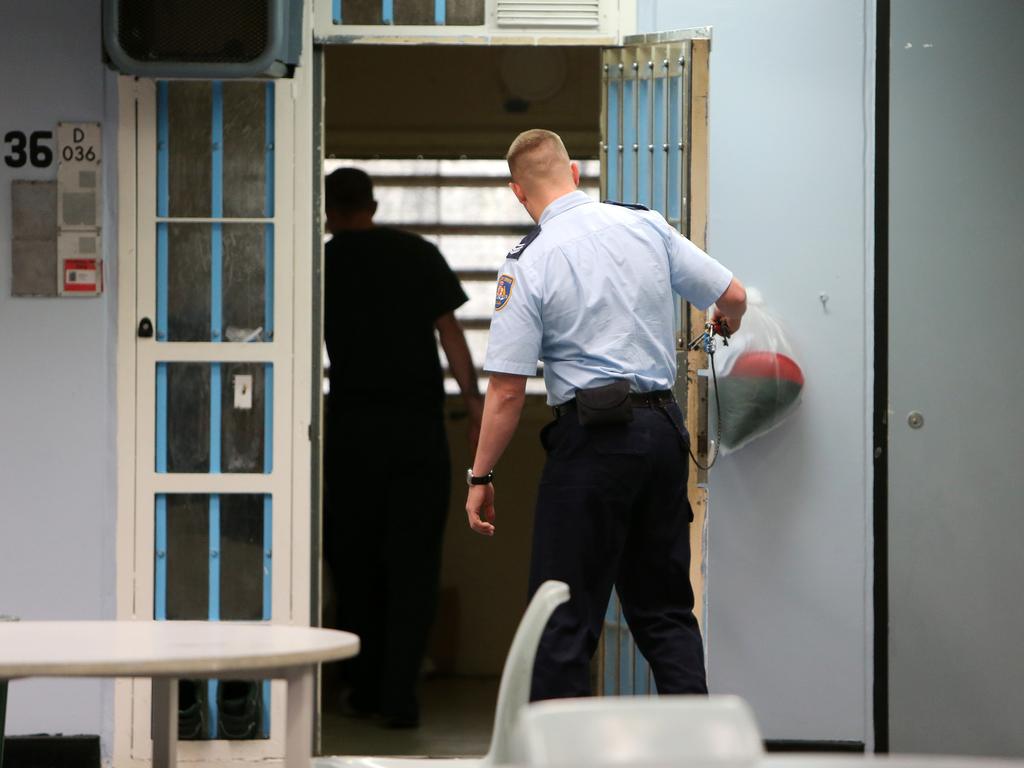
(241, 557)
(187, 585)
(244, 282)
(245, 146)
(188, 282)
(235, 256)
(188, 417)
(218, 410)
(242, 428)
(189, 126)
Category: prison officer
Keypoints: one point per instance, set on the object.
(590, 293)
(387, 466)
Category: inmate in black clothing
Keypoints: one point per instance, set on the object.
(384, 291)
(387, 469)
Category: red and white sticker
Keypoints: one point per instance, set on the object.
(83, 276)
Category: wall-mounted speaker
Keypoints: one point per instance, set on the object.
(203, 38)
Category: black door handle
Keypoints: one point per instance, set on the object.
(145, 328)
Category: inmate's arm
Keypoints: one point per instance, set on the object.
(460, 361)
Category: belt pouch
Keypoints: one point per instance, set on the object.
(602, 406)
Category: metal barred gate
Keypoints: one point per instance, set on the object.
(654, 152)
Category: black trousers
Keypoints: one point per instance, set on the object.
(612, 510)
(388, 477)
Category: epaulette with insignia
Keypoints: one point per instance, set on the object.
(517, 251)
(634, 206)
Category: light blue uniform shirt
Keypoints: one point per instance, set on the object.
(589, 293)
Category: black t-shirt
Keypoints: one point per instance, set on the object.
(383, 291)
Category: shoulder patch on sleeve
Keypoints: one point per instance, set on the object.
(633, 206)
(504, 293)
(517, 251)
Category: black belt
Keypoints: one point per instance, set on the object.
(640, 399)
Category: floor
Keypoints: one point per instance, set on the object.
(457, 717)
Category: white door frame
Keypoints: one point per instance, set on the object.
(290, 352)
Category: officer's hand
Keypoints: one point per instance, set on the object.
(480, 508)
(733, 322)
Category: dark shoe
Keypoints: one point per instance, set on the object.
(191, 710)
(239, 709)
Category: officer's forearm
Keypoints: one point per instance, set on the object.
(506, 394)
(733, 302)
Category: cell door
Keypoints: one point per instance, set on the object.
(213, 357)
(654, 152)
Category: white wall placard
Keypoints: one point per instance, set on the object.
(78, 176)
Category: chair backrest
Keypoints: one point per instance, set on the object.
(675, 730)
(516, 677)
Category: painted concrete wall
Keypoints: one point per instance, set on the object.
(788, 568)
(57, 376)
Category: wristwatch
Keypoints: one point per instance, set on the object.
(472, 479)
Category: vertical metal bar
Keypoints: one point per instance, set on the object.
(675, 141)
(440, 12)
(611, 646)
(214, 587)
(162, 204)
(216, 328)
(636, 129)
(336, 8)
(650, 124)
(387, 12)
(643, 155)
(613, 156)
(268, 151)
(160, 570)
(621, 159)
(162, 159)
(216, 212)
(619, 644)
(684, 150)
(667, 90)
(214, 601)
(629, 153)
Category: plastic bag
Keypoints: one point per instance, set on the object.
(759, 380)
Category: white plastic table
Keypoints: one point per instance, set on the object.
(168, 650)
(833, 760)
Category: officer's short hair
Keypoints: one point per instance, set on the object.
(348, 189)
(534, 152)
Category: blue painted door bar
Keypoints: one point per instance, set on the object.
(643, 161)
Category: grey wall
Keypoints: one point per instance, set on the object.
(788, 575)
(57, 377)
(956, 270)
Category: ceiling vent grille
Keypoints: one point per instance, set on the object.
(575, 14)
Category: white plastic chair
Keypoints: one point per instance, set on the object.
(513, 694)
(637, 730)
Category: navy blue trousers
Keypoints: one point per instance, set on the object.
(612, 510)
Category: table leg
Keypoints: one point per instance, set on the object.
(165, 722)
(298, 740)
